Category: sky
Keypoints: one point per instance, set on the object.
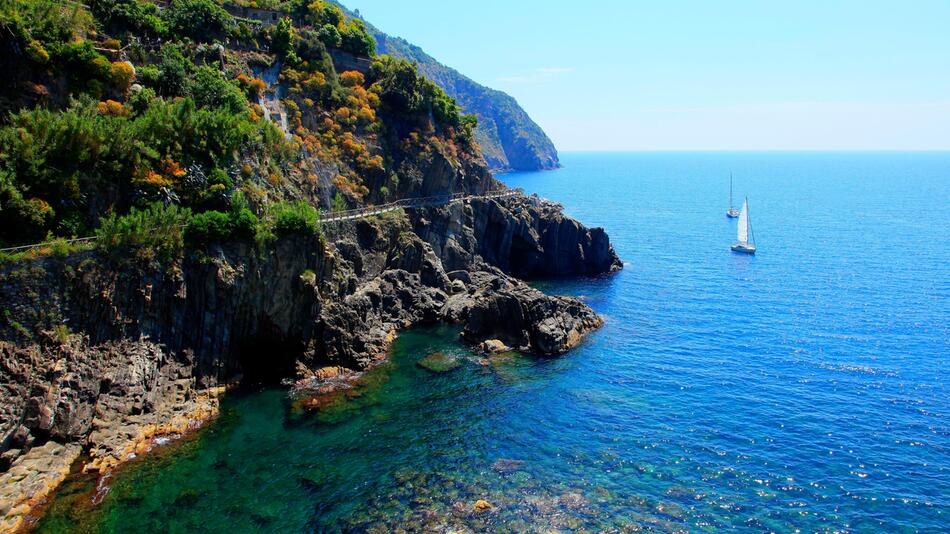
(701, 74)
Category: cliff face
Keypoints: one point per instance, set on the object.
(509, 139)
(104, 354)
(526, 237)
(148, 349)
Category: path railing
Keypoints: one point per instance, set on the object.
(411, 203)
(336, 216)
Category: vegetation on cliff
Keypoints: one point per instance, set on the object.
(193, 148)
(132, 103)
(509, 139)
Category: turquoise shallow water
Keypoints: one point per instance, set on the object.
(803, 388)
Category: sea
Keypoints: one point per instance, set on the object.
(805, 388)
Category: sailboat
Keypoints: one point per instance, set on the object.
(746, 239)
(732, 212)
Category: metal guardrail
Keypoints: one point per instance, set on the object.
(338, 216)
(410, 203)
(48, 244)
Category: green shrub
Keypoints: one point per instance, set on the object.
(244, 224)
(201, 20)
(22, 220)
(140, 100)
(153, 233)
(208, 227)
(335, 30)
(308, 277)
(121, 16)
(61, 247)
(356, 40)
(210, 89)
(37, 52)
(85, 68)
(173, 69)
(219, 177)
(216, 226)
(283, 38)
(399, 82)
(46, 21)
(403, 90)
(320, 13)
(329, 36)
(339, 202)
(467, 126)
(61, 333)
(59, 159)
(294, 218)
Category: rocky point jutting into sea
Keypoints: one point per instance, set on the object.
(150, 350)
(188, 146)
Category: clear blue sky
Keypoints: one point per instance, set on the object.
(700, 74)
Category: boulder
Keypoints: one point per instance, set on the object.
(493, 346)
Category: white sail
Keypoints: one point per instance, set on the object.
(744, 223)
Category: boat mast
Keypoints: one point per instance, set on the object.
(748, 216)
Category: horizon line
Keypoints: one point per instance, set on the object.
(728, 150)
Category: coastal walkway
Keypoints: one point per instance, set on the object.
(410, 203)
(335, 216)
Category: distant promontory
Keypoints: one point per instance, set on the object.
(509, 139)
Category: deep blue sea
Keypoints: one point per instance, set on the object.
(805, 388)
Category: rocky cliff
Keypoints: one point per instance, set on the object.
(102, 358)
(509, 139)
(209, 268)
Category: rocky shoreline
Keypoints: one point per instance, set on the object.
(147, 351)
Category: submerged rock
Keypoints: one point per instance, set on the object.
(438, 362)
(573, 500)
(482, 505)
(493, 346)
(504, 465)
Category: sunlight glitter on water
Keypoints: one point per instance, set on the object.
(804, 388)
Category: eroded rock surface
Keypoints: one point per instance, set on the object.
(526, 237)
(31, 479)
(145, 351)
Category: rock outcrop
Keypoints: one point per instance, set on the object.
(63, 395)
(147, 349)
(502, 309)
(524, 236)
(33, 477)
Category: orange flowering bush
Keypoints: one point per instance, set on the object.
(112, 108)
(254, 87)
(352, 78)
(171, 168)
(153, 179)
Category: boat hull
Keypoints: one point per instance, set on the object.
(733, 213)
(743, 248)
